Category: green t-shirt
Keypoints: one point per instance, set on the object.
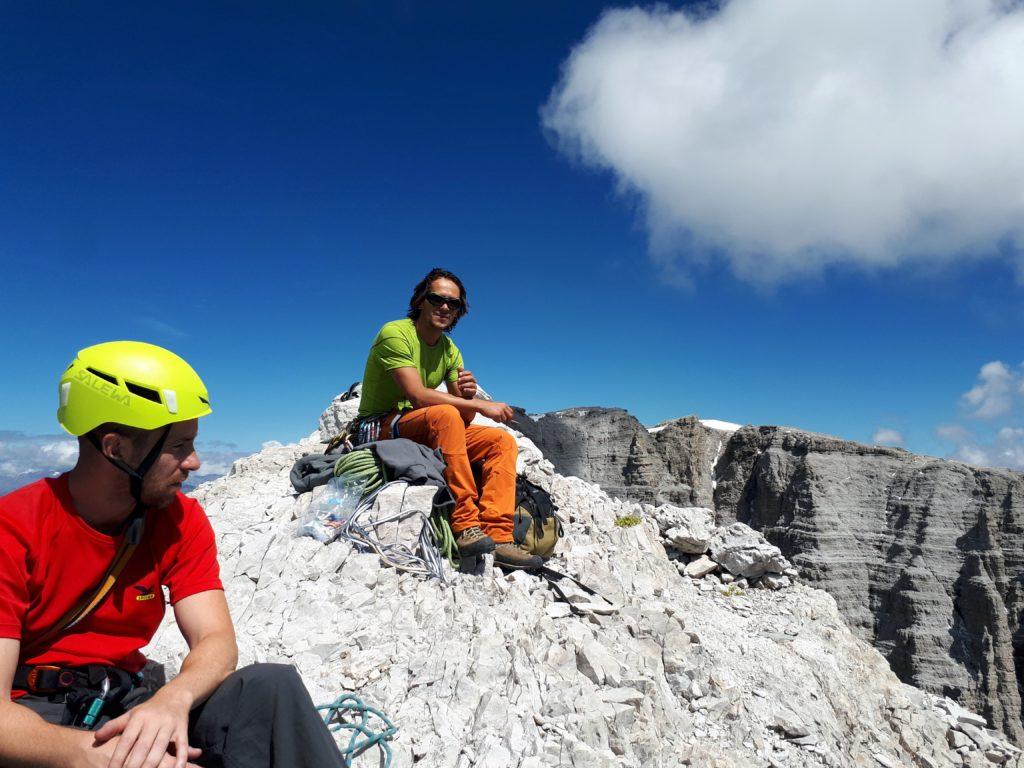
(398, 346)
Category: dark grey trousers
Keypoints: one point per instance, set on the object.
(260, 717)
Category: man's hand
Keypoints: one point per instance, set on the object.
(99, 755)
(466, 384)
(499, 412)
(144, 735)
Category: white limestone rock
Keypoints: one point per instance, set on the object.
(700, 567)
(774, 581)
(337, 416)
(744, 552)
(687, 529)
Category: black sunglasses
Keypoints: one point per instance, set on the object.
(438, 300)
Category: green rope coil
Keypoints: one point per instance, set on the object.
(360, 471)
(360, 725)
(445, 538)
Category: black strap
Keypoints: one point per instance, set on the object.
(135, 474)
(552, 577)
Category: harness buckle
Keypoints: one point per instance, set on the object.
(55, 674)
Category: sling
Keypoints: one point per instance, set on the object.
(92, 598)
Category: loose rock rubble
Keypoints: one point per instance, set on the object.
(700, 549)
(491, 671)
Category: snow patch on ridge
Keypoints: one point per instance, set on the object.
(724, 426)
(721, 426)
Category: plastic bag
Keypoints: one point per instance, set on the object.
(327, 513)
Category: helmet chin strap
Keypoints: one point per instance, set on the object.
(135, 478)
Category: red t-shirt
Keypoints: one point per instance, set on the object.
(49, 557)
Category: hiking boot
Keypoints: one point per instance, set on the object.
(512, 555)
(473, 542)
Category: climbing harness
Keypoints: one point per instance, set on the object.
(349, 713)
(88, 692)
(368, 428)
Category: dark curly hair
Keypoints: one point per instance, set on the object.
(419, 293)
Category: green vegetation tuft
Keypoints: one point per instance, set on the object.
(627, 521)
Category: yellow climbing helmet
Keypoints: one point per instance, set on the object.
(131, 383)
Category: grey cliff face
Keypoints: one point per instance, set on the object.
(924, 556)
(610, 447)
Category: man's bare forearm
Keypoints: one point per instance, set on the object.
(425, 397)
(212, 659)
(28, 741)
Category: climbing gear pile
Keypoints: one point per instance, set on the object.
(369, 529)
(367, 726)
(356, 475)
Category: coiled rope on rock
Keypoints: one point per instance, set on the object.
(363, 529)
(349, 713)
(360, 470)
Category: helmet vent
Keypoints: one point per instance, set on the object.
(102, 375)
(203, 400)
(146, 392)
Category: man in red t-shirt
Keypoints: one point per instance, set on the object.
(84, 560)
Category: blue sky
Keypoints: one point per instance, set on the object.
(257, 186)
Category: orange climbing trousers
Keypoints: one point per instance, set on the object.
(493, 451)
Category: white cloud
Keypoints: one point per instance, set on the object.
(24, 458)
(784, 137)
(160, 328)
(994, 439)
(993, 395)
(1006, 450)
(952, 432)
(887, 436)
(217, 457)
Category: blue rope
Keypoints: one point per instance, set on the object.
(359, 724)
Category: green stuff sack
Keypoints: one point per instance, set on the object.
(537, 525)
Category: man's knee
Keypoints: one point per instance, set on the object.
(444, 415)
(504, 442)
(269, 678)
(508, 443)
(501, 443)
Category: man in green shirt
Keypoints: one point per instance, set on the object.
(408, 361)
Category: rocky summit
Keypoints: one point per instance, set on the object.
(924, 556)
(709, 650)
